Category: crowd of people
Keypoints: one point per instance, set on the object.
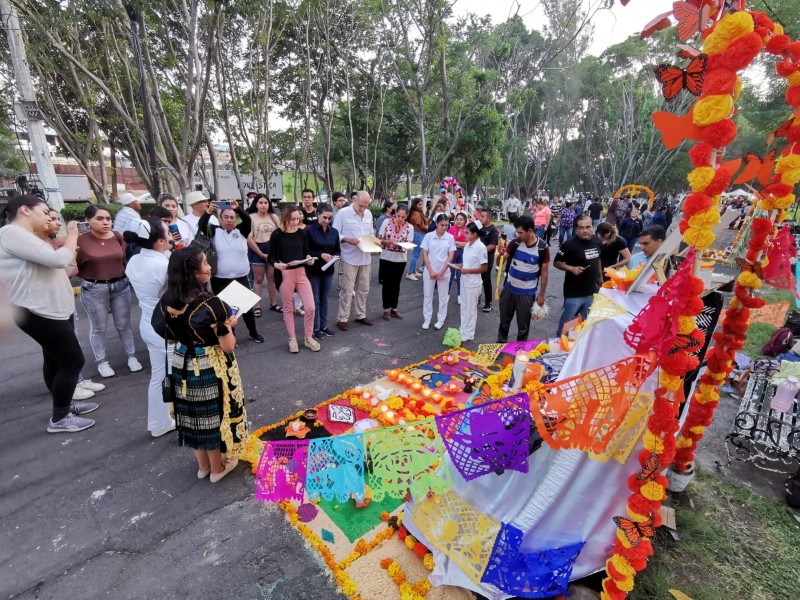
(178, 264)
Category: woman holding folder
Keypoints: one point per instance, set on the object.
(394, 231)
(323, 244)
(289, 254)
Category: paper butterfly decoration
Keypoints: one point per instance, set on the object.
(675, 129)
(633, 531)
(749, 267)
(674, 79)
(782, 130)
(693, 17)
(757, 168)
(651, 467)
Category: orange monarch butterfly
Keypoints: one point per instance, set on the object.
(633, 531)
(757, 168)
(692, 18)
(649, 469)
(674, 79)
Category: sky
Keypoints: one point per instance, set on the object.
(610, 26)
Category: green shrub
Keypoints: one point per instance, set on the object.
(73, 211)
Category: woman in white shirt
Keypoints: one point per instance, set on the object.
(438, 248)
(33, 276)
(230, 243)
(147, 272)
(475, 261)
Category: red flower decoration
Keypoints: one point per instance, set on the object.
(719, 134)
(741, 52)
(700, 154)
(778, 44)
(793, 95)
(719, 81)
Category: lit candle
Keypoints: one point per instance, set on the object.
(296, 425)
(417, 387)
(426, 393)
(390, 415)
(373, 402)
(366, 395)
(384, 408)
(518, 371)
(437, 396)
(393, 374)
(401, 422)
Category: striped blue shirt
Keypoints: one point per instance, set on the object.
(523, 273)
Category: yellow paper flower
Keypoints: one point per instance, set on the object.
(707, 218)
(652, 491)
(794, 78)
(750, 280)
(686, 325)
(766, 204)
(700, 178)
(622, 565)
(683, 442)
(700, 238)
(697, 429)
(652, 442)
(626, 585)
(428, 562)
(789, 169)
(712, 109)
(730, 28)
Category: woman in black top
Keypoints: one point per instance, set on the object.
(208, 398)
(612, 248)
(287, 245)
(323, 244)
(630, 229)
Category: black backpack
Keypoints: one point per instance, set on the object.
(779, 342)
(793, 322)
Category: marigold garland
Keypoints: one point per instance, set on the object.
(732, 44)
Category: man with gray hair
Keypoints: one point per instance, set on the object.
(353, 222)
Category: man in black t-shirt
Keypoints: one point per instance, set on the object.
(490, 237)
(308, 209)
(595, 210)
(579, 258)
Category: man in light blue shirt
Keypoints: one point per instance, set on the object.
(650, 241)
(128, 218)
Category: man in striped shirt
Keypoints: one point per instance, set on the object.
(528, 257)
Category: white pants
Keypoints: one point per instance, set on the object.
(158, 416)
(469, 310)
(427, 302)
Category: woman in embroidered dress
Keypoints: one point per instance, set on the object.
(209, 400)
(393, 258)
(264, 222)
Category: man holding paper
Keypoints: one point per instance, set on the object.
(353, 222)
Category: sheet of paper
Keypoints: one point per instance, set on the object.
(238, 295)
(407, 245)
(370, 244)
(297, 263)
(327, 265)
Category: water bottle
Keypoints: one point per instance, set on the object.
(784, 396)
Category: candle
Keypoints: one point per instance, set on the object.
(437, 396)
(373, 402)
(296, 425)
(390, 415)
(417, 387)
(393, 374)
(384, 408)
(426, 393)
(366, 395)
(518, 371)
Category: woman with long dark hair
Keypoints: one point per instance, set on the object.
(147, 272)
(105, 288)
(208, 397)
(417, 219)
(323, 244)
(180, 232)
(32, 273)
(263, 222)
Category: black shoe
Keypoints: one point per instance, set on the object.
(487, 308)
(328, 331)
(257, 338)
(318, 335)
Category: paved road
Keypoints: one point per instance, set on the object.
(112, 512)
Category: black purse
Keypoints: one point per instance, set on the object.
(167, 385)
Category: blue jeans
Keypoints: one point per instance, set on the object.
(456, 273)
(564, 233)
(572, 308)
(98, 300)
(412, 264)
(321, 287)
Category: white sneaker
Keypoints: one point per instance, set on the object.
(90, 385)
(412, 277)
(426, 324)
(439, 325)
(82, 393)
(162, 430)
(134, 365)
(105, 370)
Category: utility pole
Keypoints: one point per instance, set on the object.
(27, 98)
(137, 30)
